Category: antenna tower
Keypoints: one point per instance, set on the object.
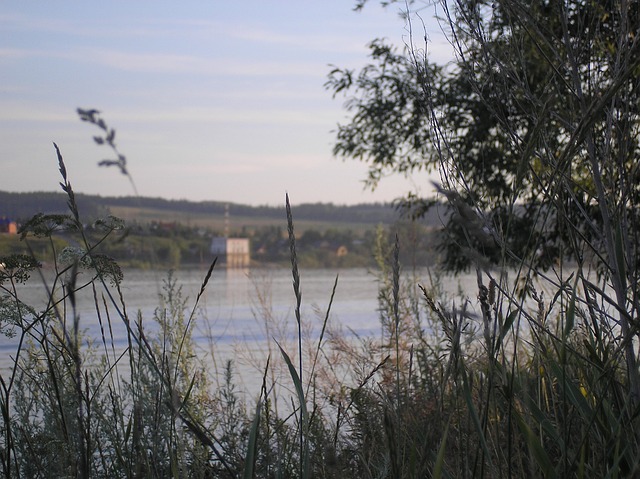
(226, 220)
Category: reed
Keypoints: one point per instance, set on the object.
(525, 376)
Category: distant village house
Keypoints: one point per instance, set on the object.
(234, 252)
(8, 226)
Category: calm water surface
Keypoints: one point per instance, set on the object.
(232, 311)
(232, 307)
(235, 301)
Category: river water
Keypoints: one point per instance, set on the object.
(240, 310)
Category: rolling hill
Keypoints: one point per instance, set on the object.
(208, 214)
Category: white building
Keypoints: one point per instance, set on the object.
(234, 252)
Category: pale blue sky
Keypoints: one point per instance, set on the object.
(211, 100)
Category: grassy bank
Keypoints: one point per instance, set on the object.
(502, 381)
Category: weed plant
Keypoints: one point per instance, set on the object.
(526, 376)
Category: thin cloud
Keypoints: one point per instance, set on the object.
(95, 29)
(186, 29)
(16, 53)
(215, 169)
(228, 116)
(170, 63)
(12, 111)
(322, 42)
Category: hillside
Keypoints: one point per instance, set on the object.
(170, 233)
(208, 214)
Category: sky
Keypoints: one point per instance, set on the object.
(210, 100)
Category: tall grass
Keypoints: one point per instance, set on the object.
(524, 376)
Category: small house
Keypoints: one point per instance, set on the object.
(8, 226)
(234, 252)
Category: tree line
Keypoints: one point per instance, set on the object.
(24, 205)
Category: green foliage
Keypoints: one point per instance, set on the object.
(494, 384)
(520, 127)
(17, 268)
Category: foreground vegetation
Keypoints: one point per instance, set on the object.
(511, 380)
(534, 373)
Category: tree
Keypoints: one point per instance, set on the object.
(518, 126)
(534, 131)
